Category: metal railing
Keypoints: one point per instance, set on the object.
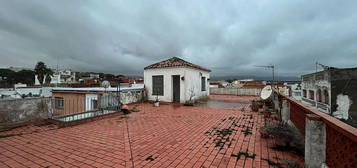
(70, 109)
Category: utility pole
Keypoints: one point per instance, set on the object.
(57, 72)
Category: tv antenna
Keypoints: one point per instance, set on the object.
(272, 67)
(325, 67)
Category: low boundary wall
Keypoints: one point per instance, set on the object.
(236, 91)
(339, 139)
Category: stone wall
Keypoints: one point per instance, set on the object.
(127, 97)
(24, 110)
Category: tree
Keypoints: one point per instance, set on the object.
(49, 75)
(229, 80)
(8, 78)
(108, 76)
(42, 71)
(25, 76)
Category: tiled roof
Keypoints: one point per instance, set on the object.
(175, 62)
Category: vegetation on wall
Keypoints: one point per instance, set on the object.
(287, 138)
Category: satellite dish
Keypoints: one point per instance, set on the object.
(266, 92)
(106, 84)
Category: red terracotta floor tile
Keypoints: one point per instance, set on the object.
(209, 135)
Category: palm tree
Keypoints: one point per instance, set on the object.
(43, 73)
(40, 71)
(49, 75)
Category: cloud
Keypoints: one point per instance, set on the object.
(229, 37)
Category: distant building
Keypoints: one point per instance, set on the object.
(21, 91)
(215, 84)
(253, 84)
(176, 80)
(245, 83)
(89, 76)
(19, 85)
(18, 69)
(61, 76)
(294, 91)
(85, 83)
(333, 91)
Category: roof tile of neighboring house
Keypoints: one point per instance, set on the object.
(175, 62)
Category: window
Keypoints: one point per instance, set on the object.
(203, 84)
(311, 95)
(327, 99)
(319, 95)
(304, 93)
(158, 85)
(94, 104)
(59, 102)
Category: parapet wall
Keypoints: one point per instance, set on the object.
(340, 148)
(24, 110)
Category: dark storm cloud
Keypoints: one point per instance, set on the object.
(230, 37)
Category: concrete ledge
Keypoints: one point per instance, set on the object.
(313, 117)
(61, 124)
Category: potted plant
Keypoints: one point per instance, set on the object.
(260, 103)
(191, 101)
(157, 102)
(267, 113)
(254, 106)
(264, 131)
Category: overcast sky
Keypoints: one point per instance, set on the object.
(230, 37)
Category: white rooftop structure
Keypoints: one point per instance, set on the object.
(97, 89)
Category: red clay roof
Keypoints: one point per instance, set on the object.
(175, 62)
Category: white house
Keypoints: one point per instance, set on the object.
(61, 76)
(176, 80)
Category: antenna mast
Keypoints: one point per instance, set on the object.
(325, 67)
(272, 67)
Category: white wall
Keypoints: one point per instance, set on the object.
(167, 73)
(236, 91)
(192, 79)
(193, 82)
(54, 79)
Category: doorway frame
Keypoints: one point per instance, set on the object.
(173, 88)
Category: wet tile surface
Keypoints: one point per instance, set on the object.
(211, 135)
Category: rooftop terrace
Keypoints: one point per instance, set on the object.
(222, 132)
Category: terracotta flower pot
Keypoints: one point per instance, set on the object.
(263, 133)
(157, 104)
(279, 141)
(267, 114)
